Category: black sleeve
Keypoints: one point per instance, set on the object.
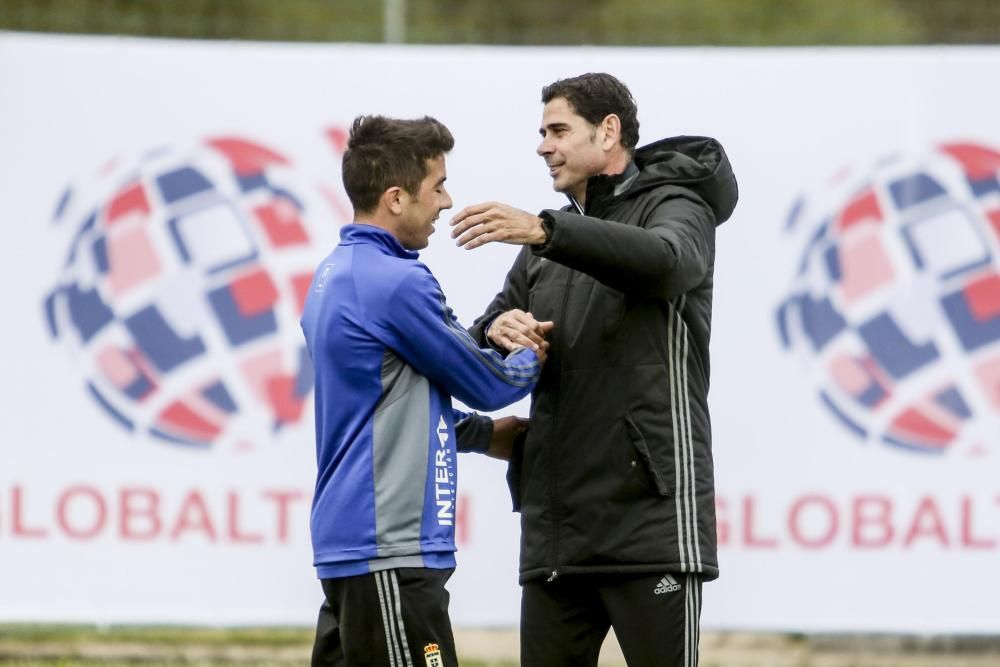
(513, 295)
(666, 255)
(473, 433)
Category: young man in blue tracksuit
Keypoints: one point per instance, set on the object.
(389, 355)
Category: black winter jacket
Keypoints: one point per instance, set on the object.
(615, 474)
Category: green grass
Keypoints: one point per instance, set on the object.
(23, 645)
(158, 635)
(78, 662)
(160, 646)
(72, 662)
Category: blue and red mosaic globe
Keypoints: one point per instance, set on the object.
(183, 289)
(896, 300)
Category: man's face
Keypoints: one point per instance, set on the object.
(419, 213)
(571, 147)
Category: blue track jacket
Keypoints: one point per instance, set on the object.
(389, 355)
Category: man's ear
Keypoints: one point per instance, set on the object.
(612, 126)
(392, 199)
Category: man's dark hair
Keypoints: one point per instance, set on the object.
(386, 152)
(596, 95)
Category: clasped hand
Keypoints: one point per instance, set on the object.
(516, 328)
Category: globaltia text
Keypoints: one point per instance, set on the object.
(869, 521)
(86, 512)
(140, 513)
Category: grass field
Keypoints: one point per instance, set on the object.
(128, 646)
(79, 646)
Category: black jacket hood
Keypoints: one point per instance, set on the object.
(699, 164)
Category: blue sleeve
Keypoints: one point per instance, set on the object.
(417, 323)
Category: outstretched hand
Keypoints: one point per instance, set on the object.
(484, 223)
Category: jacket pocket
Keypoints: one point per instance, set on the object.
(644, 458)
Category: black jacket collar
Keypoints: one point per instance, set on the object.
(603, 189)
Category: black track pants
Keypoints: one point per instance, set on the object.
(393, 618)
(655, 617)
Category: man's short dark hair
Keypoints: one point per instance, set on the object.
(596, 95)
(389, 152)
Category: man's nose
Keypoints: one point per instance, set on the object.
(543, 147)
(445, 201)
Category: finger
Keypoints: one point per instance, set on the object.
(473, 227)
(505, 342)
(535, 333)
(473, 209)
(525, 321)
(481, 238)
(503, 320)
(473, 237)
(468, 221)
(472, 216)
(465, 226)
(498, 332)
(523, 340)
(524, 332)
(526, 318)
(515, 341)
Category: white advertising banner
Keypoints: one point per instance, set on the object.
(165, 203)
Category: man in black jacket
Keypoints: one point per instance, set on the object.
(614, 481)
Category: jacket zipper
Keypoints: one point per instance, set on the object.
(553, 458)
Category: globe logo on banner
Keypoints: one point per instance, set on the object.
(182, 291)
(895, 303)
